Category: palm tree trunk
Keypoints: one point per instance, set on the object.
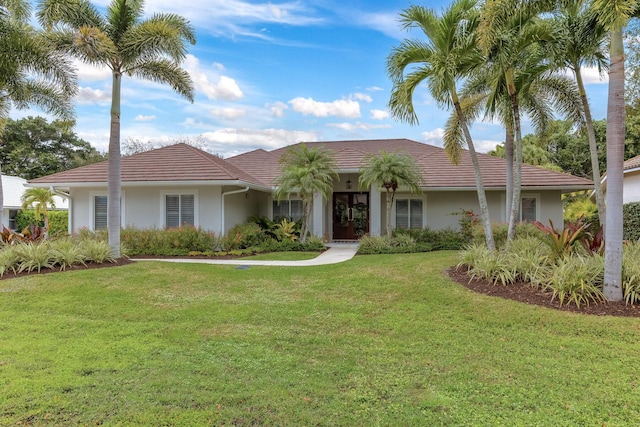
(307, 208)
(390, 196)
(517, 166)
(482, 198)
(508, 152)
(593, 148)
(114, 176)
(615, 158)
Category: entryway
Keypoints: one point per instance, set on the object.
(350, 215)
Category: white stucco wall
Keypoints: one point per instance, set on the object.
(631, 187)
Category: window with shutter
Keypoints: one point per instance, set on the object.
(409, 213)
(402, 214)
(99, 212)
(179, 210)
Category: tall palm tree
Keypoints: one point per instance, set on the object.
(390, 171)
(150, 48)
(305, 172)
(581, 42)
(39, 199)
(614, 15)
(507, 30)
(445, 57)
(31, 72)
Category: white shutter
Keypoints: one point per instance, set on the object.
(416, 213)
(187, 209)
(99, 212)
(402, 213)
(172, 211)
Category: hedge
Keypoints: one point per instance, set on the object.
(58, 220)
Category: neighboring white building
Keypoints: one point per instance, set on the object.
(12, 189)
(180, 184)
(630, 181)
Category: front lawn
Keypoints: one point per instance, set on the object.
(378, 340)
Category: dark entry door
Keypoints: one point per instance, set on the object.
(350, 215)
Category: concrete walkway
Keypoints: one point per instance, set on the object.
(337, 252)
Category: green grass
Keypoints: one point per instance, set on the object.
(379, 340)
(284, 256)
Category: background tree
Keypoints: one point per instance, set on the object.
(581, 42)
(32, 147)
(40, 199)
(446, 56)
(390, 171)
(31, 72)
(305, 172)
(150, 49)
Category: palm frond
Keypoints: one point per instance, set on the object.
(164, 71)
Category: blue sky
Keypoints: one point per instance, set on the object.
(270, 74)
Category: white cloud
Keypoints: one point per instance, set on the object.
(379, 114)
(341, 108)
(226, 88)
(485, 145)
(591, 75)
(434, 137)
(87, 72)
(87, 95)
(374, 89)
(357, 126)
(277, 109)
(360, 97)
(141, 118)
(386, 23)
(228, 113)
(230, 141)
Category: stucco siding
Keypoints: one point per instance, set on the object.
(631, 187)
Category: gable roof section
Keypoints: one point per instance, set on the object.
(437, 170)
(261, 164)
(175, 163)
(631, 164)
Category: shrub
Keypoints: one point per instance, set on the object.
(170, 242)
(562, 242)
(526, 256)
(96, 251)
(631, 272)
(58, 221)
(8, 259)
(631, 221)
(244, 236)
(313, 243)
(491, 266)
(34, 256)
(445, 239)
(576, 279)
(65, 253)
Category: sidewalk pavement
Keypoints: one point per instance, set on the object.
(337, 252)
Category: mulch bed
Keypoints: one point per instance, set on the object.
(525, 292)
(90, 265)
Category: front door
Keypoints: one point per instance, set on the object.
(350, 215)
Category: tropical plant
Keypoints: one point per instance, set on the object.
(150, 49)
(576, 279)
(34, 256)
(286, 230)
(39, 199)
(97, 251)
(65, 253)
(31, 71)
(306, 172)
(631, 272)
(448, 55)
(562, 242)
(390, 171)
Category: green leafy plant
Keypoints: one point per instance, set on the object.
(562, 242)
(576, 279)
(244, 236)
(631, 272)
(8, 259)
(65, 253)
(97, 251)
(34, 256)
(286, 230)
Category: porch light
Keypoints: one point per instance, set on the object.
(348, 184)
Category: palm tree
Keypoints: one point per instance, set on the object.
(582, 43)
(31, 72)
(390, 171)
(305, 172)
(614, 15)
(446, 56)
(39, 199)
(150, 49)
(506, 32)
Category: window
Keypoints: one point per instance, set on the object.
(99, 212)
(180, 210)
(528, 209)
(287, 208)
(12, 219)
(409, 213)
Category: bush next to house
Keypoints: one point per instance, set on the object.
(631, 221)
(58, 221)
(170, 242)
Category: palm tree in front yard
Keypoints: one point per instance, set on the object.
(149, 49)
(40, 199)
(305, 172)
(390, 171)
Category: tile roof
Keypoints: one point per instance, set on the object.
(182, 162)
(179, 162)
(632, 163)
